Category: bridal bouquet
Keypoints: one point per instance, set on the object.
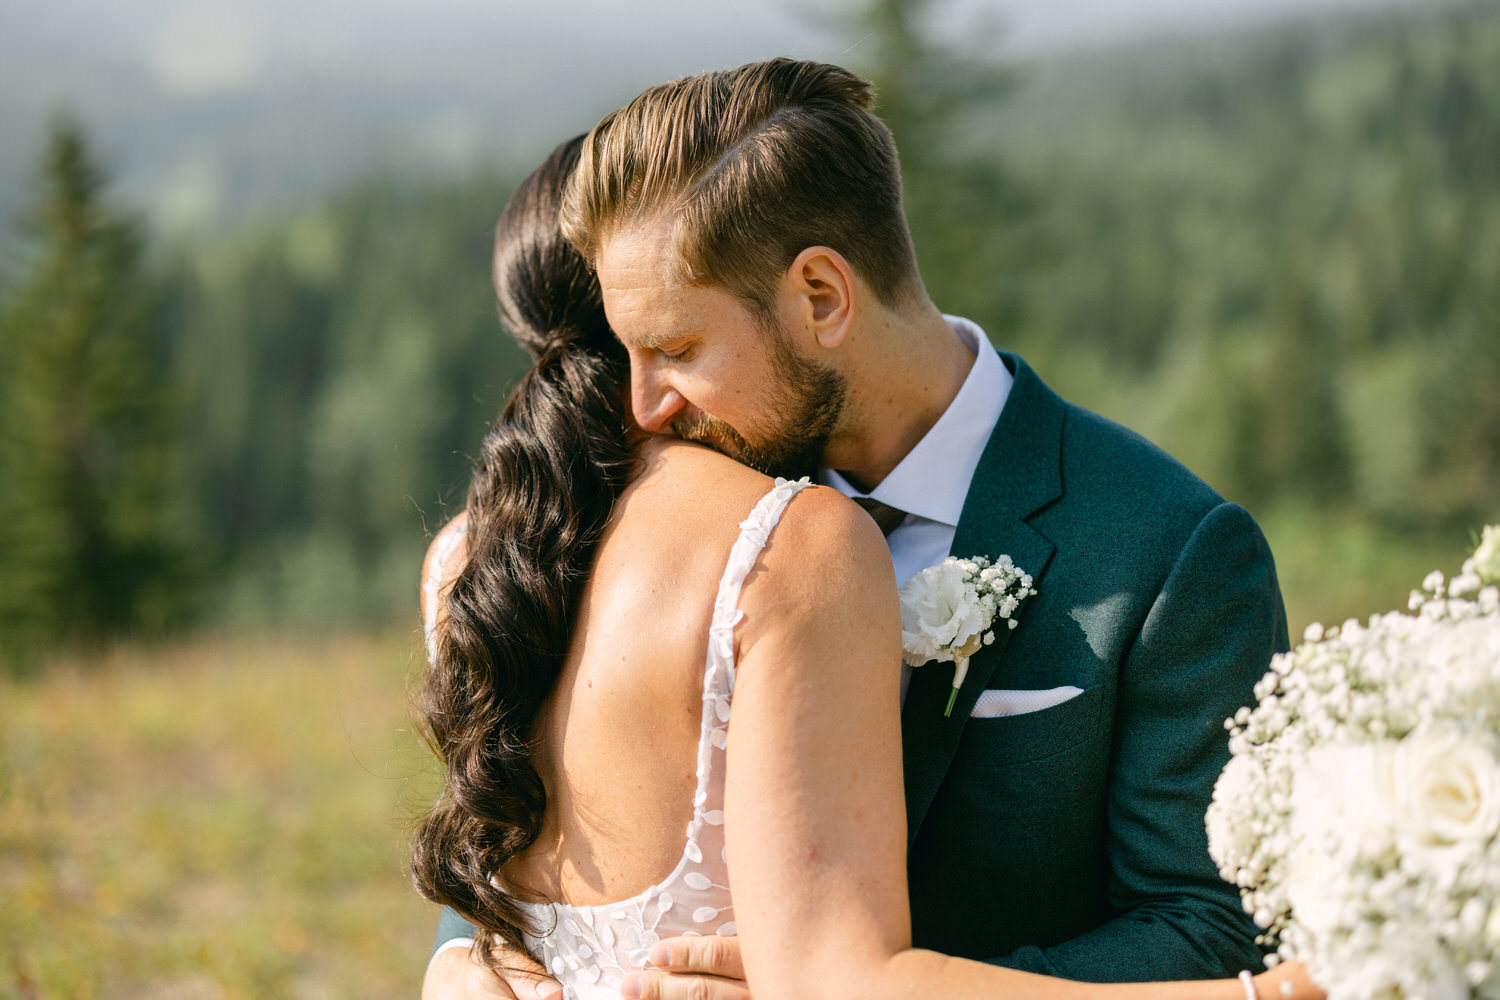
(1360, 807)
(947, 611)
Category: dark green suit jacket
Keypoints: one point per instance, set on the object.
(1070, 841)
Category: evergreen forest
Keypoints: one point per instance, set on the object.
(1276, 254)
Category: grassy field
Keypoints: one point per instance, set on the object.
(222, 819)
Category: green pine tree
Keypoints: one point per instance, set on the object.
(1460, 423)
(1305, 434)
(85, 421)
(937, 92)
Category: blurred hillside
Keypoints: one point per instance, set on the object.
(1277, 255)
(213, 112)
(1279, 258)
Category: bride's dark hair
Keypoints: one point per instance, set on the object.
(545, 481)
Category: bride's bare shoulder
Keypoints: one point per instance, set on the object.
(824, 540)
(663, 452)
(697, 482)
(445, 557)
(825, 571)
(684, 477)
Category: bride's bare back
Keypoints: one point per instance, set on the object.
(617, 737)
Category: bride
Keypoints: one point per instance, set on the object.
(592, 617)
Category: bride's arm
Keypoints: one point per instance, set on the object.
(815, 809)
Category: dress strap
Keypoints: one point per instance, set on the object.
(705, 834)
(755, 531)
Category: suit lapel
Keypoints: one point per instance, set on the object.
(1019, 474)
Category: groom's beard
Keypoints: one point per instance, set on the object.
(811, 398)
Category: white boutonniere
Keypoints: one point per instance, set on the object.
(947, 611)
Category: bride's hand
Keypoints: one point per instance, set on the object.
(1288, 981)
(455, 975)
(691, 968)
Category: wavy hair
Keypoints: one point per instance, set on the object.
(544, 485)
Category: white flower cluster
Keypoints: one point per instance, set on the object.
(1360, 808)
(947, 609)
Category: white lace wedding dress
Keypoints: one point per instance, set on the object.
(589, 949)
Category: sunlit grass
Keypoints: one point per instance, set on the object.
(217, 819)
(1334, 565)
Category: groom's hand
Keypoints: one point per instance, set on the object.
(691, 968)
(456, 975)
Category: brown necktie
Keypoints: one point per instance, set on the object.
(886, 516)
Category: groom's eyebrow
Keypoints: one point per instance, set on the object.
(651, 340)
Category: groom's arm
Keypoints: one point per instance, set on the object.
(1207, 639)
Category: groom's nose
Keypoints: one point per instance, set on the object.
(654, 402)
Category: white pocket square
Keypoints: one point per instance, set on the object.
(994, 703)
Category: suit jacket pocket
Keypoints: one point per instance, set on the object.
(1014, 739)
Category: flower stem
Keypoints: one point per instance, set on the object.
(960, 671)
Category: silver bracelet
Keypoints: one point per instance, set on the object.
(1247, 980)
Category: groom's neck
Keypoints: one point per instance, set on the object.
(907, 367)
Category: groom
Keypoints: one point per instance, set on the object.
(747, 230)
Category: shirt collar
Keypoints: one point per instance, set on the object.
(933, 479)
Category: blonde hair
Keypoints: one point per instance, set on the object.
(755, 164)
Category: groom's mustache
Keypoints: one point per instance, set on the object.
(711, 431)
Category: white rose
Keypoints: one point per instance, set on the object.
(938, 609)
(1342, 808)
(1445, 788)
(1487, 556)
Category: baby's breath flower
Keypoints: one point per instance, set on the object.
(1360, 810)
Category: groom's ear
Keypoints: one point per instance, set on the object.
(820, 293)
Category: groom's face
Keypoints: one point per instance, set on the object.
(704, 366)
